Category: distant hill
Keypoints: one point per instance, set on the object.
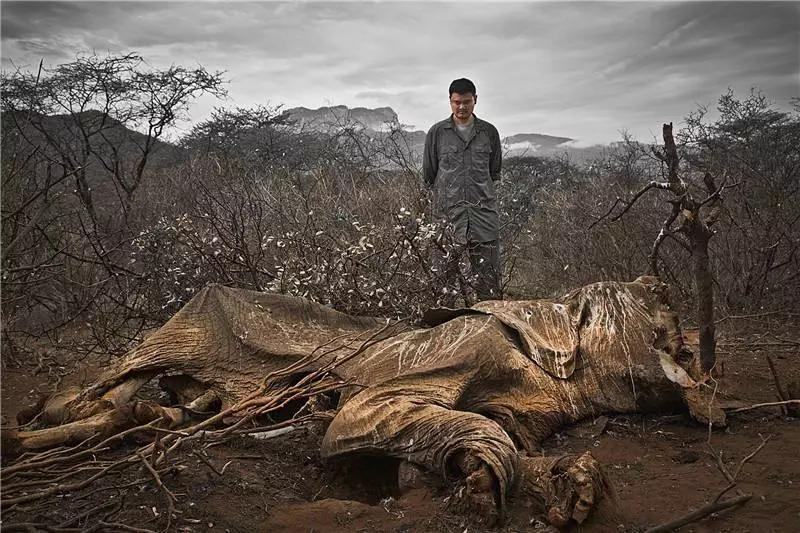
(106, 132)
(60, 137)
(337, 116)
(534, 143)
(375, 123)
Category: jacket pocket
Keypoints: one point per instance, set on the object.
(481, 154)
(448, 158)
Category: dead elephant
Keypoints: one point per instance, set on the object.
(470, 397)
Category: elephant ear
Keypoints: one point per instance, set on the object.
(548, 331)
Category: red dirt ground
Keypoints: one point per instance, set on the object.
(659, 466)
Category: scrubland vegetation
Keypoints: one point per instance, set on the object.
(107, 226)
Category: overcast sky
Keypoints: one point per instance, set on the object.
(580, 70)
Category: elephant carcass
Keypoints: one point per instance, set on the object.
(470, 396)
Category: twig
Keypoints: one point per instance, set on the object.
(702, 512)
(36, 526)
(207, 462)
(167, 493)
(170, 432)
(123, 527)
(28, 458)
(629, 203)
(716, 504)
(316, 495)
(59, 489)
(732, 478)
(103, 506)
(756, 315)
(123, 486)
(44, 481)
(156, 447)
(29, 423)
(785, 340)
(781, 394)
(607, 213)
(720, 464)
(248, 457)
(766, 404)
(101, 446)
(225, 466)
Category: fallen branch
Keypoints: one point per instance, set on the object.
(720, 465)
(90, 512)
(167, 493)
(766, 404)
(102, 446)
(207, 462)
(716, 505)
(29, 527)
(782, 396)
(756, 315)
(115, 526)
(702, 512)
(61, 489)
(735, 475)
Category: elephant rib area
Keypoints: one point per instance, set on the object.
(230, 339)
(466, 341)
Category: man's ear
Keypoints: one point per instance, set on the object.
(476, 98)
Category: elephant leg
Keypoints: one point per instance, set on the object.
(70, 433)
(567, 489)
(73, 418)
(421, 431)
(102, 424)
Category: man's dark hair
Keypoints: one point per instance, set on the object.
(462, 86)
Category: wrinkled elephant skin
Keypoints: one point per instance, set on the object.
(472, 396)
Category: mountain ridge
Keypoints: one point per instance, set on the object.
(381, 119)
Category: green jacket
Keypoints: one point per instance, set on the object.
(462, 175)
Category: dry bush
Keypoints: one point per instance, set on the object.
(342, 218)
(556, 204)
(361, 243)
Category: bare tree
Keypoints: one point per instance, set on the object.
(79, 141)
(101, 117)
(694, 211)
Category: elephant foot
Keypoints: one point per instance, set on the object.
(412, 477)
(567, 490)
(478, 494)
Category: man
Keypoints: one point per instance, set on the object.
(462, 161)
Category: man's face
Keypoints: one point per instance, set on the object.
(462, 105)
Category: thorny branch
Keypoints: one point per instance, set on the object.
(37, 469)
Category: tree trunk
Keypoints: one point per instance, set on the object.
(704, 288)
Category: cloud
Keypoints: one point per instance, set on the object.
(580, 70)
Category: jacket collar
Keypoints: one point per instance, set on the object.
(449, 123)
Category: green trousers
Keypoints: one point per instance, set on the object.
(484, 260)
